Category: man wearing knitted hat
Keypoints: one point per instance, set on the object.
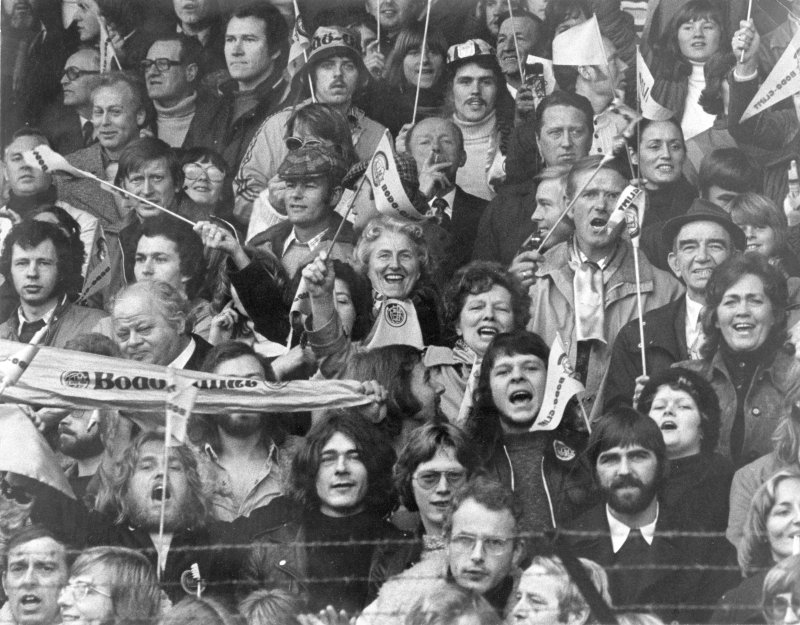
(335, 70)
(313, 177)
(483, 110)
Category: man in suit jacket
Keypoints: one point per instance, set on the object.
(437, 146)
(642, 545)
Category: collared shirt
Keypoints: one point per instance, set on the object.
(47, 317)
(266, 485)
(295, 252)
(693, 329)
(619, 531)
(182, 358)
(311, 244)
(449, 197)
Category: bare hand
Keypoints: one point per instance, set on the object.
(296, 358)
(524, 267)
(791, 207)
(222, 324)
(745, 44)
(11, 215)
(400, 142)
(44, 418)
(320, 277)
(328, 616)
(525, 103)
(374, 60)
(277, 194)
(432, 177)
(377, 410)
(641, 381)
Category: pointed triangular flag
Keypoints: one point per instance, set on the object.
(181, 394)
(390, 196)
(783, 81)
(561, 387)
(99, 277)
(649, 108)
(396, 324)
(580, 45)
(630, 209)
(547, 71)
(23, 450)
(11, 370)
(466, 401)
(298, 50)
(49, 161)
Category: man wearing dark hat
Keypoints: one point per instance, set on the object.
(336, 70)
(699, 241)
(313, 176)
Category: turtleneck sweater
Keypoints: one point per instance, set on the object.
(695, 119)
(480, 144)
(173, 121)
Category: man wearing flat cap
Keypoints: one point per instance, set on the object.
(313, 177)
(699, 241)
(336, 71)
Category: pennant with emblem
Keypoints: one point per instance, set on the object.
(387, 189)
(396, 324)
(561, 386)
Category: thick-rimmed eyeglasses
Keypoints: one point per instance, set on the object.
(162, 65)
(775, 609)
(73, 73)
(193, 171)
(428, 480)
(492, 545)
(80, 590)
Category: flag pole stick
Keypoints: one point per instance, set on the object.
(516, 44)
(749, 15)
(635, 241)
(305, 52)
(34, 341)
(584, 415)
(163, 511)
(346, 215)
(378, 21)
(421, 60)
(606, 159)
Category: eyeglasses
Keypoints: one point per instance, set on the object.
(775, 609)
(193, 171)
(428, 480)
(493, 545)
(162, 65)
(80, 590)
(73, 73)
(295, 143)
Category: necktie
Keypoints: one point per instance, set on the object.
(88, 134)
(694, 348)
(440, 211)
(27, 330)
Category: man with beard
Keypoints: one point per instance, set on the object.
(127, 513)
(34, 572)
(244, 458)
(652, 555)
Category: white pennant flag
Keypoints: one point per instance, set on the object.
(396, 324)
(49, 161)
(298, 50)
(390, 196)
(98, 278)
(580, 45)
(466, 401)
(630, 209)
(181, 394)
(561, 387)
(650, 109)
(547, 67)
(14, 366)
(783, 81)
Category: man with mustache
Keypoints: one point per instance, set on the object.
(633, 528)
(526, 32)
(585, 288)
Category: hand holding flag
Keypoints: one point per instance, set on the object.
(561, 386)
(390, 196)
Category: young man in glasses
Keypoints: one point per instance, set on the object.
(482, 553)
(183, 109)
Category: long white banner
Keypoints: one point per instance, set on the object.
(68, 379)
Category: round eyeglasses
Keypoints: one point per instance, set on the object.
(428, 480)
(80, 590)
(193, 171)
(73, 73)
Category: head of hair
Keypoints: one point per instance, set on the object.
(23, 536)
(422, 445)
(570, 598)
(643, 124)
(786, 438)
(479, 277)
(112, 496)
(201, 154)
(626, 427)
(716, 72)
(192, 610)
(275, 27)
(564, 98)
(139, 153)
(758, 210)
(410, 40)
(392, 367)
(489, 493)
(28, 131)
(587, 165)
(504, 103)
(452, 605)
(670, 63)
(391, 225)
(754, 549)
(701, 392)
(125, 15)
(784, 577)
(730, 169)
(191, 49)
(71, 228)
(360, 295)
(133, 82)
(167, 301)
(325, 122)
(93, 343)
(135, 592)
(484, 422)
(455, 128)
(32, 233)
(556, 12)
(271, 607)
(187, 243)
(723, 277)
(374, 449)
